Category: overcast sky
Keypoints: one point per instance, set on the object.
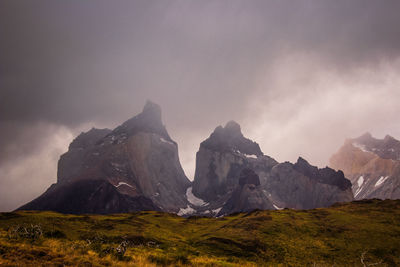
(299, 76)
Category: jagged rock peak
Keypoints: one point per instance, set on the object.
(325, 175)
(152, 110)
(387, 148)
(367, 138)
(230, 138)
(233, 128)
(389, 138)
(363, 139)
(150, 120)
(301, 160)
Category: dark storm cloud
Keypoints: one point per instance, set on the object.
(280, 68)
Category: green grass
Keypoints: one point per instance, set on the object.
(338, 236)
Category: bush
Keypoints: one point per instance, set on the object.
(31, 232)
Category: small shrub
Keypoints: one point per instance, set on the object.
(119, 252)
(31, 232)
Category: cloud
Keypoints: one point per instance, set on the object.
(299, 76)
(311, 115)
(29, 168)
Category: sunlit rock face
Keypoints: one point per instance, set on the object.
(372, 165)
(138, 158)
(225, 157)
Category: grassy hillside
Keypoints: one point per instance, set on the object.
(353, 234)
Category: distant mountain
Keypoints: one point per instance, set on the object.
(372, 165)
(136, 167)
(233, 175)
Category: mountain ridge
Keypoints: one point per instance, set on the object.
(136, 167)
(371, 164)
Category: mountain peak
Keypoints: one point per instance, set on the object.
(148, 121)
(152, 109)
(366, 137)
(301, 160)
(233, 127)
(231, 137)
(389, 138)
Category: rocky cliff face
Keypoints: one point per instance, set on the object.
(138, 159)
(227, 156)
(221, 158)
(372, 165)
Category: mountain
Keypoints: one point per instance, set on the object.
(233, 174)
(372, 165)
(135, 167)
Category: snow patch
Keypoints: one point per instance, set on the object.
(266, 193)
(360, 146)
(357, 192)
(186, 211)
(250, 156)
(216, 211)
(123, 183)
(165, 141)
(193, 199)
(360, 181)
(381, 180)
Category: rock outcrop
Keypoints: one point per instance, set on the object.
(372, 165)
(226, 157)
(138, 158)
